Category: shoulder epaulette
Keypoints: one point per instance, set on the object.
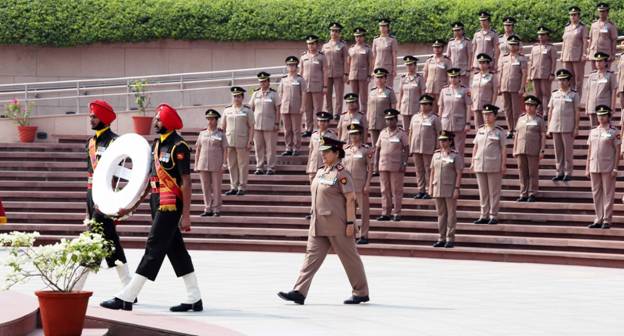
(446, 57)
(256, 89)
(573, 90)
(430, 57)
(339, 167)
(345, 112)
(321, 53)
(437, 151)
(555, 90)
(271, 89)
(228, 106)
(247, 106)
(284, 76)
(403, 75)
(373, 89)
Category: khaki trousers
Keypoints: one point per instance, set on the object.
(334, 84)
(564, 152)
(361, 88)
(578, 75)
(211, 188)
(593, 120)
(363, 206)
(489, 193)
(374, 135)
(422, 162)
(447, 217)
(292, 131)
(238, 165)
(528, 167)
(265, 143)
(459, 141)
(543, 88)
(478, 119)
(391, 184)
(406, 119)
(511, 105)
(603, 192)
(312, 103)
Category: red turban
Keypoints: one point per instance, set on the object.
(169, 117)
(103, 111)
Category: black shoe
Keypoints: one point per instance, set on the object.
(510, 135)
(240, 192)
(294, 153)
(293, 296)
(362, 241)
(426, 196)
(566, 178)
(396, 218)
(606, 225)
(308, 216)
(383, 218)
(449, 244)
(337, 117)
(216, 214)
(259, 171)
(306, 134)
(117, 304)
(521, 199)
(230, 192)
(531, 198)
(493, 221)
(439, 243)
(558, 178)
(375, 173)
(419, 195)
(270, 172)
(184, 307)
(595, 226)
(286, 153)
(481, 221)
(207, 214)
(356, 299)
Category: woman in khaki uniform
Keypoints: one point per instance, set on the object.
(600, 87)
(331, 226)
(385, 48)
(459, 51)
(444, 184)
(380, 98)
(620, 77)
(512, 77)
(509, 23)
(352, 116)
(422, 139)
(454, 105)
(238, 124)
(360, 65)
(435, 72)
(314, 72)
(573, 57)
(489, 157)
(410, 90)
(290, 91)
(265, 103)
(483, 88)
(336, 53)
(603, 157)
(603, 33)
(210, 155)
(542, 66)
(485, 41)
(528, 148)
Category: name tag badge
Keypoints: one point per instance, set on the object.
(545, 51)
(493, 137)
(337, 48)
(460, 46)
(326, 181)
(607, 135)
(358, 156)
(532, 123)
(295, 84)
(488, 38)
(394, 140)
(567, 99)
(268, 100)
(363, 52)
(101, 150)
(602, 81)
(355, 121)
(165, 157)
(459, 95)
(241, 114)
(516, 63)
(426, 123)
(604, 29)
(441, 66)
(315, 62)
(448, 160)
(382, 95)
(216, 138)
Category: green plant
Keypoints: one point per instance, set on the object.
(142, 100)
(18, 112)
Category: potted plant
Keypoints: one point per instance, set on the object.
(59, 266)
(142, 123)
(21, 115)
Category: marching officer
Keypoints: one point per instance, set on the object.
(380, 98)
(238, 124)
(423, 131)
(391, 151)
(352, 116)
(435, 72)
(315, 160)
(411, 88)
(171, 212)
(331, 225)
(528, 148)
(603, 158)
(210, 158)
(314, 72)
(485, 41)
(601, 87)
(602, 34)
(358, 162)
(385, 48)
(565, 113)
(573, 57)
(509, 23)
(459, 51)
(336, 52)
(512, 76)
(444, 185)
(542, 66)
(290, 91)
(483, 88)
(454, 105)
(360, 65)
(489, 164)
(265, 104)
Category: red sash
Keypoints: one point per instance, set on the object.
(168, 188)
(94, 161)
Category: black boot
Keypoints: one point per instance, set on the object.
(439, 243)
(481, 221)
(362, 241)
(293, 296)
(597, 225)
(184, 307)
(231, 192)
(207, 214)
(356, 299)
(117, 304)
(383, 218)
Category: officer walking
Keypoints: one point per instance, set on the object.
(238, 124)
(210, 158)
(360, 65)
(435, 72)
(512, 77)
(573, 48)
(265, 103)
(336, 52)
(528, 148)
(290, 91)
(352, 116)
(459, 51)
(454, 105)
(385, 48)
(380, 98)
(483, 88)
(601, 87)
(314, 72)
(542, 66)
(411, 88)
(422, 139)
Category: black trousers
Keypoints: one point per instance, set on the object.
(110, 233)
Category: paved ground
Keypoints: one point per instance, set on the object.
(409, 296)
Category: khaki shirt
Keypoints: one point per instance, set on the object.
(315, 161)
(411, 88)
(574, 42)
(336, 54)
(358, 162)
(490, 144)
(445, 168)
(210, 149)
(563, 107)
(391, 147)
(238, 121)
(378, 102)
(383, 48)
(528, 138)
(602, 37)
(542, 61)
(435, 74)
(483, 89)
(361, 60)
(510, 72)
(265, 105)
(603, 149)
(599, 87)
(290, 90)
(453, 106)
(329, 206)
(620, 74)
(459, 54)
(484, 42)
(423, 133)
(347, 119)
(313, 68)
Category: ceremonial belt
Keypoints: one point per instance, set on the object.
(167, 186)
(94, 161)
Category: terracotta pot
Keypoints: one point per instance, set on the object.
(63, 313)
(27, 133)
(142, 124)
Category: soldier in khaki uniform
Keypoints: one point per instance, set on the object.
(352, 116)
(603, 34)
(600, 87)
(360, 65)
(573, 57)
(485, 41)
(358, 162)
(565, 113)
(434, 72)
(528, 148)
(542, 66)
(391, 151)
(509, 23)
(265, 102)
(238, 124)
(423, 131)
(336, 53)
(444, 185)
(210, 158)
(411, 88)
(483, 88)
(454, 105)
(603, 158)
(331, 225)
(459, 51)
(380, 98)
(385, 48)
(314, 72)
(512, 76)
(290, 91)
(489, 164)
(315, 160)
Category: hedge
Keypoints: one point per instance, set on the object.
(78, 22)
